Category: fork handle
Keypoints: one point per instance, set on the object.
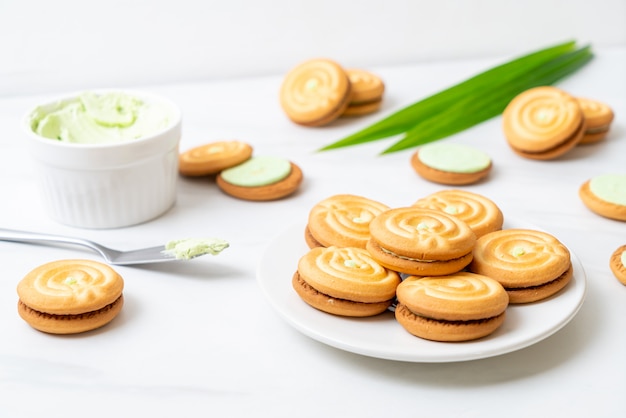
(37, 237)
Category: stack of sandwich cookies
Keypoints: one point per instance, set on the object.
(342, 221)
(367, 93)
(531, 265)
(315, 92)
(543, 123)
(598, 117)
(605, 195)
(617, 264)
(212, 158)
(261, 178)
(421, 242)
(70, 296)
(459, 307)
(450, 163)
(480, 213)
(345, 282)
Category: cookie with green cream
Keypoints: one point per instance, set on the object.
(451, 163)
(605, 195)
(261, 178)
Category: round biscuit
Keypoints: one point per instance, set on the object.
(68, 296)
(520, 258)
(543, 123)
(343, 220)
(213, 157)
(613, 209)
(479, 212)
(315, 92)
(274, 191)
(617, 264)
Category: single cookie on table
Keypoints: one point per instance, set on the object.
(543, 123)
(421, 242)
(451, 164)
(70, 296)
(459, 307)
(605, 195)
(598, 118)
(213, 157)
(480, 213)
(367, 92)
(617, 263)
(344, 281)
(531, 265)
(342, 221)
(261, 178)
(315, 92)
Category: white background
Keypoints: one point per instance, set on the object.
(199, 339)
(71, 44)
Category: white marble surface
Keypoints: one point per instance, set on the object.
(200, 339)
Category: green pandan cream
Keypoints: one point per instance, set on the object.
(92, 118)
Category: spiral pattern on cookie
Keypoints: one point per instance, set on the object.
(345, 272)
(214, 151)
(594, 108)
(315, 85)
(81, 285)
(542, 117)
(464, 295)
(412, 231)
(365, 86)
(479, 212)
(344, 220)
(512, 255)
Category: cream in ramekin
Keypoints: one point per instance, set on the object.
(106, 159)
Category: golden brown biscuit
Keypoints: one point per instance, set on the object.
(543, 123)
(480, 213)
(70, 296)
(344, 281)
(459, 307)
(605, 195)
(598, 118)
(212, 158)
(315, 92)
(421, 242)
(451, 163)
(261, 179)
(367, 92)
(342, 221)
(617, 263)
(531, 265)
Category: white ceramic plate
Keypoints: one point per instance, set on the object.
(382, 337)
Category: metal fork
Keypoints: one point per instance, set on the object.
(141, 256)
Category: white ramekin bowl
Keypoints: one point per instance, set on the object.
(107, 185)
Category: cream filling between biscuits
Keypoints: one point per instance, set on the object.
(403, 257)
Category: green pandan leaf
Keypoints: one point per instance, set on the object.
(473, 110)
(457, 96)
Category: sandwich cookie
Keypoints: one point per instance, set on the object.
(421, 242)
(315, 92)
(480, 213)
(70, 296)
(617, 264)
(605, 195)
(531, 265)
(261, 178)
(344, 281)
(367, 93)
(598, 118)
(212, 158)
(543, 123)
(459, 307)
(342, 221)
(450, 163)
